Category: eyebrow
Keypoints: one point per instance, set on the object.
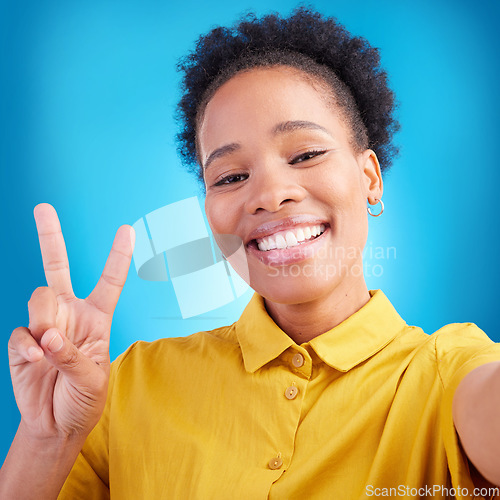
(291, 126)
(222, 151)
(280, 128)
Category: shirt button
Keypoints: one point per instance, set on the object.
(275, 463)
(298, 360)
(291, 392)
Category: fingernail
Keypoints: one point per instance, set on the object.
(56, 343)
(34, 353)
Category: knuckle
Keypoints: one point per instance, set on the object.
(16, 336)
(19, 341)
(120, 252)
(41, 291)
(56, 265)
(40, 325)
(112, 280)
(42, 308)
(90, 299)
(66, 296)
(43, 295)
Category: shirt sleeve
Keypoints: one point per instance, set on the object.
(460, 348)
(89, 477)
(84, 483)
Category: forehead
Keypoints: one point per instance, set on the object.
(256, 100)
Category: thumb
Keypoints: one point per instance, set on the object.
(66, 358)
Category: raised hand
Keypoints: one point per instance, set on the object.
(60, 364)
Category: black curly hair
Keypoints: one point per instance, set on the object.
(308, 41)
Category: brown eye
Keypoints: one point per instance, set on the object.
(307, 156)
(230, 179)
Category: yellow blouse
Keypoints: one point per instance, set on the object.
(243, 412)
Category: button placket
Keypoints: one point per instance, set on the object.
(298, 366)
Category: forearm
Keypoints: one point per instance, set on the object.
(37, 468)
(476, 413)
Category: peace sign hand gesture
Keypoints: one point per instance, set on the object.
(60, 364)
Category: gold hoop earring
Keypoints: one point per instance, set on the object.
(381, 208)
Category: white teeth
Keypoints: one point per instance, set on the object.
(291, 240)
(267, 244)
(280, 241)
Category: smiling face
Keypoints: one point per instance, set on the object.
(281, 173)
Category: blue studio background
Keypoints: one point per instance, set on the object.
(87, 97)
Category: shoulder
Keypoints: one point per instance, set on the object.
(447, 341)
(175, 352)
(459, 335)
(460, 347)
(442, 354)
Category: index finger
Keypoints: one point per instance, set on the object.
(53, 248)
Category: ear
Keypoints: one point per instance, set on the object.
(371, 176)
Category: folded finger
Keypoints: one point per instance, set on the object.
(23, 347)
(66, 358)
(42, 308)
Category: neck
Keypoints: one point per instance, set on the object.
(305, 321)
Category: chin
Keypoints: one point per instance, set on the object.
(284, 287)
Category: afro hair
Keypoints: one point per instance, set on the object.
(309, 41)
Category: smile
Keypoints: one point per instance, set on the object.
(288, 241)
(290, 237)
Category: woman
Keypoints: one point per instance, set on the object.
(320, 390)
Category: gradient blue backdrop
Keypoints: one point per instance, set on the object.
(87, 96)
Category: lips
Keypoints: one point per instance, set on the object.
(287, 223)
(288, 240)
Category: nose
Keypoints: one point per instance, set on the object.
(271, 188)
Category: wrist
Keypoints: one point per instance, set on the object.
(48, 443)
(48, 459)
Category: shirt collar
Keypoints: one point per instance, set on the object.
(357, 338)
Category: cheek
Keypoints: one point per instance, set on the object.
(339, 188)
(221, 215)
(212, 216)
(343, 195)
